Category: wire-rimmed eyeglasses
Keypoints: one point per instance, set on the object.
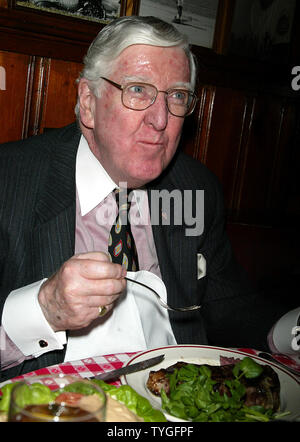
(139, 96)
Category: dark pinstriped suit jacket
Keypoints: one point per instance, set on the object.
(37, 234)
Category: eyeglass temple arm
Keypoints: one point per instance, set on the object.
(113, 83)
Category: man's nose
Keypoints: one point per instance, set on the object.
(157, 114)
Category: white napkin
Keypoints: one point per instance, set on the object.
(137, 322)
(154, 318)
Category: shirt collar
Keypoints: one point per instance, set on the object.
(92, 181)
(94, 184)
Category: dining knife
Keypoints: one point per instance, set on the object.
(132, 368)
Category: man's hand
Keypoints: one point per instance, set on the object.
(71, 298)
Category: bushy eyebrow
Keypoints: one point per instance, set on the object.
(129, 79)
(181, 84)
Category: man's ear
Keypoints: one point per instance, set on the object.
(87, 103)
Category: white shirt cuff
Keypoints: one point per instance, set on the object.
(26, 325)
(284, 333)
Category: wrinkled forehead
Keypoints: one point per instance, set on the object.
(143, 61)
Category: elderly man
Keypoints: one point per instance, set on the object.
(62, 297)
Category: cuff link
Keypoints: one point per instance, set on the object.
(43, 343)
(102, 310)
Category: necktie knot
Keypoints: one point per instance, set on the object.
(123, 202)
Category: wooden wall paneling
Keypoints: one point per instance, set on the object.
(196, 129)
(190, 132)
(270, 255)
(280, 186)
(241, 160)
(37, 95)
(229, 121)
(46, 34)
(14, 97)
(28, 97)
(60, 93)
(292, 183)
(207, 99)
(262, 156)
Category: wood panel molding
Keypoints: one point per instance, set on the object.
(47, 35)
(196, 131)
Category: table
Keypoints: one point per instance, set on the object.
(83, 368)
(92, 366)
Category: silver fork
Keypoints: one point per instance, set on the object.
(162, 302)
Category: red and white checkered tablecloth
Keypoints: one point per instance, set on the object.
(92, 366)
(83, 368)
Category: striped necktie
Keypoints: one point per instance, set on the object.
(121, 245)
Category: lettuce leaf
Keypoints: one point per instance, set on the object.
(5, 398)
(136, 403)
(31, 394)
(41, 394)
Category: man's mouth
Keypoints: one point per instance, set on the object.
(151, 143)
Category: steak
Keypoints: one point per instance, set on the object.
(263, 390)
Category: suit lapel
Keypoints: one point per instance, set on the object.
(53, 243)
(59, 189)
(53, 236)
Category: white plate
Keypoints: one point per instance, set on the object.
(201, 354)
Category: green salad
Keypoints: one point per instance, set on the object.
(37, 394)
(136, 403)
(193, 397)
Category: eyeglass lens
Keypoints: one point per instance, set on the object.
(140, 96)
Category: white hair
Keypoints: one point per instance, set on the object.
(122, 33)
